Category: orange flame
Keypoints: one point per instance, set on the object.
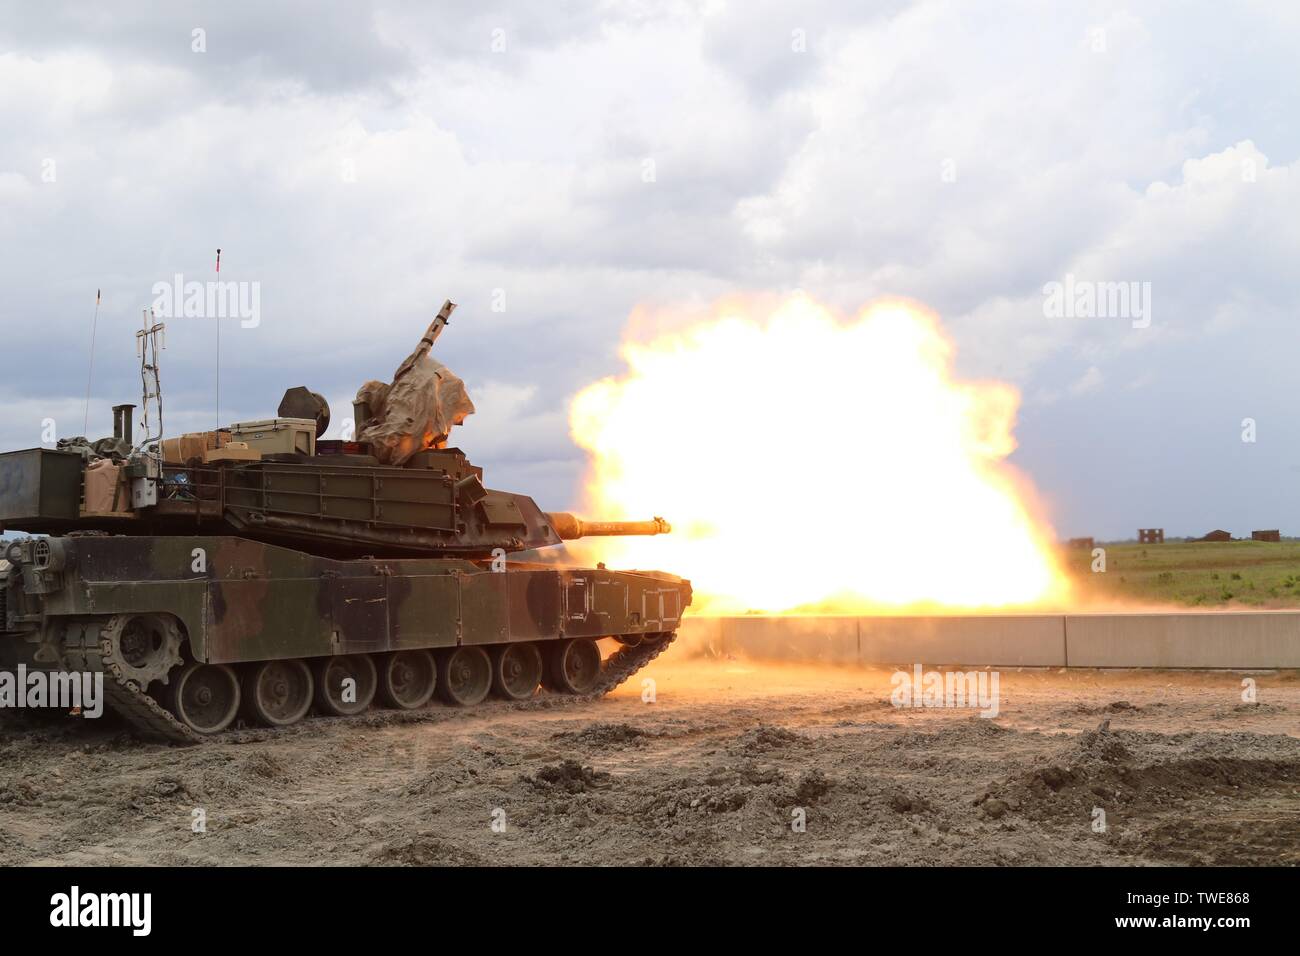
(809, 463)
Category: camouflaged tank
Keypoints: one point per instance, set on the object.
(267, 585)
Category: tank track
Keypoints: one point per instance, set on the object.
(88, 650)
(621, 665)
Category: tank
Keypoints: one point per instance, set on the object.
(260, 573)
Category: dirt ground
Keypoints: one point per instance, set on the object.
(714, 771)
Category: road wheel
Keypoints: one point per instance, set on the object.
(407, 679)
(516, 670)
(575, 665)
(204, 697)
(464, 675)
(336, 697)
(278, 693)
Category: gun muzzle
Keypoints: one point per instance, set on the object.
(568, 527)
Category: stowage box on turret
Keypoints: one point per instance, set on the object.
(209, 578)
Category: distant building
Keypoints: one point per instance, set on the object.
(1080, 544)
(1274, 535)
(1217, 535)
(1151, 535)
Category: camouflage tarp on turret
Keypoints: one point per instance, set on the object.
(420, 408)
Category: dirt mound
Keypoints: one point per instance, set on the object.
(1259, 839)
(1086, 770)
(1114, 707)
(219, 775)
(605, 735)
(569, 776)
(150, 798)
(452, 775)
(266, 767)
(20, 793)
(977, 732)
(812, 786)
(1259, 708)
(424, 849)
(669, 802)
(901, 801)
(764, 738)
(724, 789)
(1130, 773)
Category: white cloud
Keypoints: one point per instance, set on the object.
(1087, 382)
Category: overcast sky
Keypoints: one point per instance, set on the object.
(363, 161)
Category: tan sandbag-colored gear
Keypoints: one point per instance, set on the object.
(416, 412)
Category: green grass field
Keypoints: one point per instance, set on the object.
(1210, 574)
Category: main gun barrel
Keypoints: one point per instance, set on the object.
(569, 527)
(440, 322)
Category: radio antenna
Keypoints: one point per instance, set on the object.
(85, 427)
(217, 319)
(148, 341)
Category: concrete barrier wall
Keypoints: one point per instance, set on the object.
(1237, 639)
(1004, 640)
(828, 640)
(1216, 639)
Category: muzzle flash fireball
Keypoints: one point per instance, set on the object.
(816, 464)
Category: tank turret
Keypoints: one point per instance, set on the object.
(437, 505)
(401, 494)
